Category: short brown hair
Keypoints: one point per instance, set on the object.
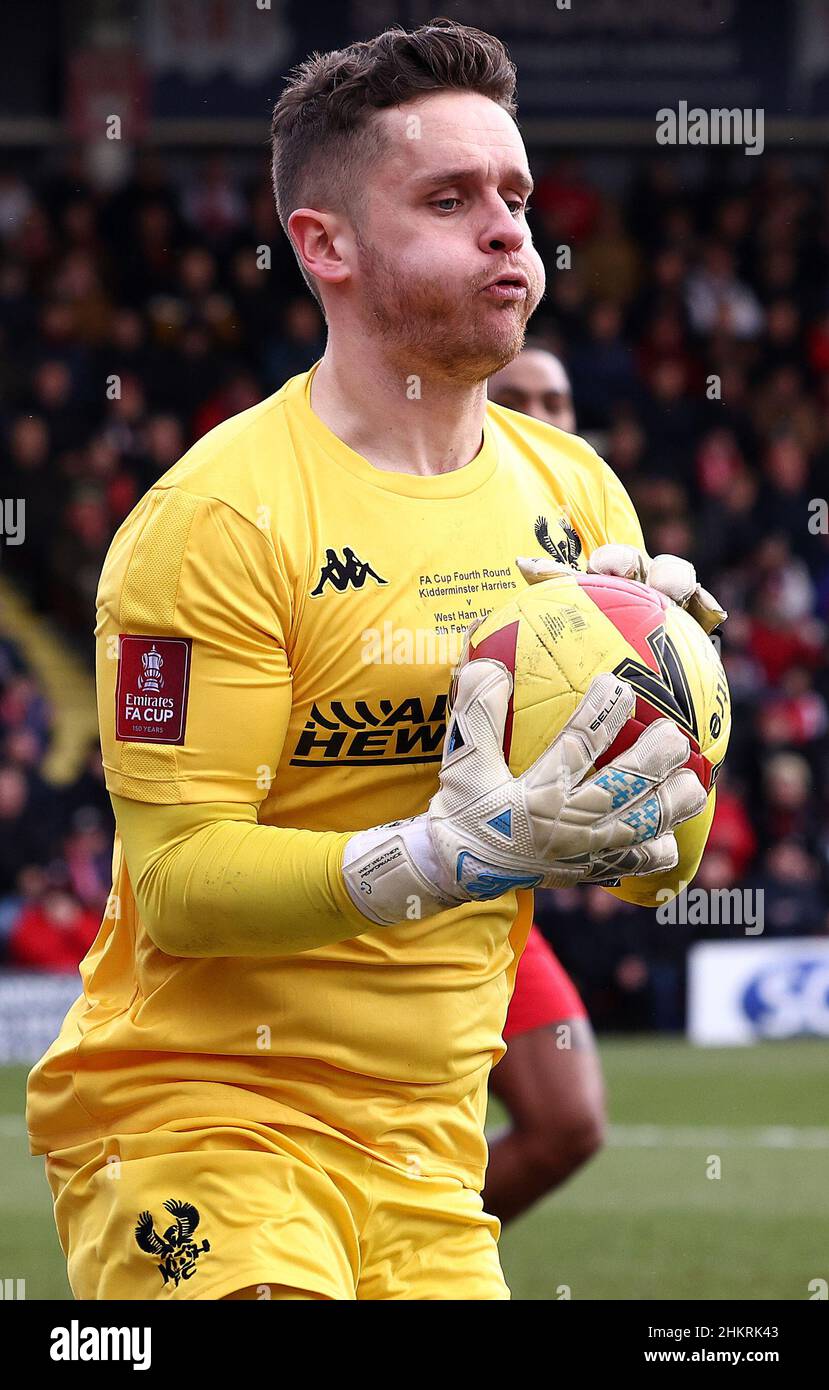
(322, 136)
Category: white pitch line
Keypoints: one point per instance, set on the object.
(693, 1136)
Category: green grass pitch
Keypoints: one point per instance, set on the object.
(643, 1220)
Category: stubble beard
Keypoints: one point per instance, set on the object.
(427, 333)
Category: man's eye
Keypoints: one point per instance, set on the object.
(517, 206)
(439, 201)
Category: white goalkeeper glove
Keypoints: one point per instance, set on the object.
(671, 575)
(486, 832)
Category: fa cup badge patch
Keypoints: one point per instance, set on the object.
(153, 683)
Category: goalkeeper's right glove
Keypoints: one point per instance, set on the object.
(486, 832)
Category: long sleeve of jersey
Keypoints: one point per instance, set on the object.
(194, 697)
(209, 881)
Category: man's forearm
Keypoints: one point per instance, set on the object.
(209, 881)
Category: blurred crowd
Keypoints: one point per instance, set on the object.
(694, 323)
(55, 843)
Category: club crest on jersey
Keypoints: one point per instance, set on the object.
(175, 1250)
(350, 571)
(568, 549)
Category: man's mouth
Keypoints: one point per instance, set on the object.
(513, 285)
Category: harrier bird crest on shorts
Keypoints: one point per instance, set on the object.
(177, 1249)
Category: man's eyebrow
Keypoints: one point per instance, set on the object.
(441, 177)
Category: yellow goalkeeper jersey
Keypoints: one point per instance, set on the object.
(277, 622)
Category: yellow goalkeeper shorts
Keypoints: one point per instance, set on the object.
(200, 1212)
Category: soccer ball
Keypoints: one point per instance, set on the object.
(557, 635)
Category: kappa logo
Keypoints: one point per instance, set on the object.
(342, 573)
(568, 549)
(176, 1250)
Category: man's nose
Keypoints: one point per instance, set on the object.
(502, 232)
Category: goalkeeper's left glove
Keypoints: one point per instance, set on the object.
(671, 575)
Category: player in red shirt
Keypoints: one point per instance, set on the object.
(550, 1078)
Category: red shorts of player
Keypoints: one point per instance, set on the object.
(544, 992)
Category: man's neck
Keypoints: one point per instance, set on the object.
(400, 423)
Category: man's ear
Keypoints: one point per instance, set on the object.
(318, 241)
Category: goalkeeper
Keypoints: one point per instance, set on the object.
(274, 1082)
